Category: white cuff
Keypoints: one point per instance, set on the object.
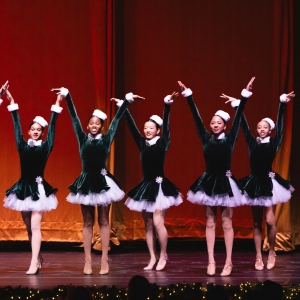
(235, 103)
(1, 101)
(64, 92)
(13, 107)
(56, 108)
(186, 93)
(283, 98)
(168, 100)
(129, 97)
(119, 104)
(246, 94)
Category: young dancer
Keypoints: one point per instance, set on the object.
(217, 186)
(32, 194)
(95, 186)
(264, 188)
(155, 193)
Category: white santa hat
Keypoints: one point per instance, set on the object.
(223, 114)
(41, 121)
(158, 120)
(271, 123)
(99, 114)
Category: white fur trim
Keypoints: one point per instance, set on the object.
(246, 94)
(158, 120)
(99, 114)
(1, 101)
(271, 123)
(283, 98)
(41, 121)
(119, 104)
(56, 108)
(168, 100)
(186, 93)
(235, 103)
(223, 114)
(13, 107)
(153, 141)
(129, 97)
(64, 92)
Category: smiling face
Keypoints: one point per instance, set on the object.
(263, 129)
(217, 125)
(35, 131)
(151, 130)
(95, 125)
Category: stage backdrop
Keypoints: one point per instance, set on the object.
(100, 49)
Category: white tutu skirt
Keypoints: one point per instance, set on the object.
(104, 198)
(280, 195)
(162, 202)
(42, 204)
(201, 198)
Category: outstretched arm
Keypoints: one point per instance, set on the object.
(284, 98)
(64, 93)
(56, 109)
(187, 93)
(3, 89)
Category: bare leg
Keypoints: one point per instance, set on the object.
(227, 213)
(257, 213)
(271, 229)
(103, 220)
(210, 231)
(150, 237)
(159, 224)
(36, 240)
(26, 216)
(88, 213)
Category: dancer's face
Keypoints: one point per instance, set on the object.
(95, 125)
(150, 130)
(217, 125)
(35, 131)
(263, 129)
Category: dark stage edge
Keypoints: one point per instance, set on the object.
(64, 266)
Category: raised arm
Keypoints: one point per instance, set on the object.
(13, 108)
(284, 98)
(64, 93)
(56, 109)
(187, 93)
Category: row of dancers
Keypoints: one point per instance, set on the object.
(96, 187)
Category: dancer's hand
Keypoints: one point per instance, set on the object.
(249, 85)
(137, 97)
(173, 96)
(228, 98)
(9, 97)
(63, 92)
(290, 96)
(58, 100)
(4, 88)
(116, 100)
(183, 87)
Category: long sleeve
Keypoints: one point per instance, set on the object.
(279, 125)
(202, 132)
(51, 132)
(110, 134)
(237, 120)
(133, 128)
(166, 126)
(247, 133)
(17, 127)
(75, 120)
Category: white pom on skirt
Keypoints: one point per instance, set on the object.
(201, 198)
(280, 195)
(104, 198)
(42, 204)
(162, 202)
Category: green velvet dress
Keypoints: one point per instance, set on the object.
(28, 194)
(155, 191)
(95, 185)
(264, 187)
(217, 186)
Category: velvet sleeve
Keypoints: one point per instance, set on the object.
(51, 132)
(246, 130)
(17, 127)
(279, 125)
(75, 120)
(166, 126)
(202, 132)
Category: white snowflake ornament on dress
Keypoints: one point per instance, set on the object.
(272, 175)
(159, 180)
(39, 179)
(228, 173)
(103, 172)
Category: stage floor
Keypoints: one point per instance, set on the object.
(65, 268)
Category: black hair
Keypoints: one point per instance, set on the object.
(102, 121)
(34, 122)
(157, 125)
